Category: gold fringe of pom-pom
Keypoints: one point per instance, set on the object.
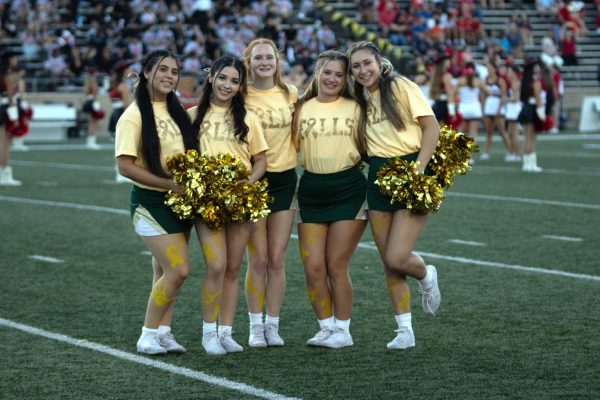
(422, 194)
(213, 191)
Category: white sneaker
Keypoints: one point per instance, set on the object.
(272, 335)
(167, 341)
(212, 345)
(403, 340)
(230, 345)
(484, 157)
(431, 298)
(257, 336)
(322, 335)
(340, 338)
(149, 344)
(6, 177)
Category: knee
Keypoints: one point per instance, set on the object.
(232, 272)
(396, 260)
(276, 262)
(180, 274)
(215, 271)
(258, 263)
(314, 273)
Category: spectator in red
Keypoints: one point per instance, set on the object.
(386, 14)
(568, 47)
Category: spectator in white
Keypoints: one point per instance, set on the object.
(148, 16)
(245, 34)
(201, 12)
(326, 36)
(545, 7)
(135, 46)
(174, 14)
(165, 35)
(192, 64)
(55, 66)
(550, 50)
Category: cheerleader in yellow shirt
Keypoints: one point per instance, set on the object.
(224, 126)
(273, 102)
(395, 120)
(331, 196)
(150, 130)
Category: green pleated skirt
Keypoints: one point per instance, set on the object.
(332, 197)
(149, 206)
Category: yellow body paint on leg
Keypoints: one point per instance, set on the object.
(208, 299)
(312, 294)
(303, 252)
(404, 302)
(159, 295)
(326, 307)
(392, 283)
(208, 252)
(251, 247)
(173, 255)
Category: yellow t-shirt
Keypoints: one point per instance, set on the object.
(327, 135)
(216, 135)
(275, 111)
(128, 136)
(383, 140)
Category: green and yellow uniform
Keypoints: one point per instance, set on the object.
(275, 109)
(150, 215)
(384, 141)
(331, 188)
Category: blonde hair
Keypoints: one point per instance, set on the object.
(247, 57)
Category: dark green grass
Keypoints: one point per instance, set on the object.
(499, 334)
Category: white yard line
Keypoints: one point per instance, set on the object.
(367, 245)
(563, 238)
(82, 167)
(525, 200)
(150, 362)
(466, 242)
(470, 261)
(51, 260)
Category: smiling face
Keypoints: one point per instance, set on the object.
(263, 62)
(226, 84)
(331, 80)
(162, 78)
(365, 68)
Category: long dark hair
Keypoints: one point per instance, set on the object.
(237, 110)
(527, 81)
(150, 139)
(388, 100)
(312, 89)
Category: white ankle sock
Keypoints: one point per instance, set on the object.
(426, 282)
(272, 320)
(223, 329)
(343, 324)
(255, 319)
(404, 320)
(208, 327)
(329, 322)
(163, 329)
(149, 332)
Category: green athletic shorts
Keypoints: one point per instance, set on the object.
(151, 217)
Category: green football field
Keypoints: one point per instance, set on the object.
(518, 258)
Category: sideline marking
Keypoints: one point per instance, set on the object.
(466, 242)
(463, 260)
(563, 238)
(525, 200)
(46, 259)
(367, 245)
(63, 165)
(190, 373)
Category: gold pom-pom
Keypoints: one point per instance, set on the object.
(451, 155)
(215, 190)
(422, 194)
(400, 181)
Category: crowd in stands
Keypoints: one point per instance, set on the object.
(68, 37)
